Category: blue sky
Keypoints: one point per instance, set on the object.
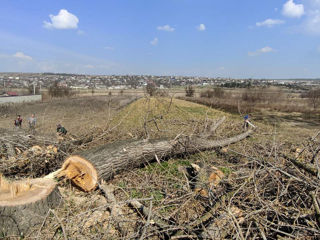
(226, 38)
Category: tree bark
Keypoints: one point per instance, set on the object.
(111, 159)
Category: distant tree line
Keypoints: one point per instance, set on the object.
(236, 85)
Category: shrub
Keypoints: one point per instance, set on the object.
(314, 97)
(218, 92)
(209, 93)
(251, 95)
(151, 88)
(189, 91)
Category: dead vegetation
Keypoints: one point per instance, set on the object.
(259, 188)
(252, 100)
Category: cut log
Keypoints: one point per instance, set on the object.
(85, 168)
(80, 172)
(24, 204)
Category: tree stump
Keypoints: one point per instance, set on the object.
(24, 204)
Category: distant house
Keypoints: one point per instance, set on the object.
(11, 94)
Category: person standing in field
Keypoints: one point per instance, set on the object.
(246, 119)
(32, 123)
(18, 122)
(247, 123)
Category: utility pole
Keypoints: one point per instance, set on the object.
(34, 88)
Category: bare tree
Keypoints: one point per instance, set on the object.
(314, 97)
(189, 91)
(151, 88)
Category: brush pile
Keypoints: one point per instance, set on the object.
(30, 156)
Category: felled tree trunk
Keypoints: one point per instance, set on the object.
(104, 162)
(24, 204)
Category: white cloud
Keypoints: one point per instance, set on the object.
(312, 23)
(154, 42)
(269, 23)
(201, 27)
(292, 10)
(64, 20)
(261, 51)
(22, 56)
(166, 28)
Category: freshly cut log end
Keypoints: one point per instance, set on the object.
(24, 192)
(24, 204)
(81, 172)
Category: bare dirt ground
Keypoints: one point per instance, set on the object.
(77, 115)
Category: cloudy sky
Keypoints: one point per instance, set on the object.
(231, 38)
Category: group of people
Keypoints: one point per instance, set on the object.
(31, 121)
(32, 125)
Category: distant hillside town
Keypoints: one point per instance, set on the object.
(75, 81)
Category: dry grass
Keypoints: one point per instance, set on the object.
(165, 187)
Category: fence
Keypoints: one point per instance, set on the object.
(20, 99)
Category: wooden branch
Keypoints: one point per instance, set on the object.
(316, 206)
(305, 166)
(214, 127)
(136, 205)
(115, 208)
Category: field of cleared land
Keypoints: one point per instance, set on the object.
(246, 190)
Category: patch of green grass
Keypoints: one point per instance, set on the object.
(195, 110)
(134, 193)
(167, 209)
(122, 184)
(167, 168)
(227, 171)
(157, 195)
